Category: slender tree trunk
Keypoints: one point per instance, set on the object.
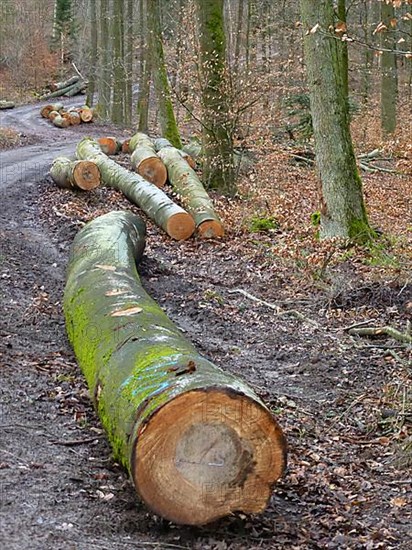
(218, 172)
(166, 113)
(389, 83)
(368, 54)
(343, 212)
(251, 39)
(344, 52)
(145, 74)
(238, 38)
(129, 64)
(104, 57)
(119, 75)
(93, 54)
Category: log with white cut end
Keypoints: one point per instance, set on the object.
(79, 174)
(145, 160)
(74, 117)
(198, 442)
(175, 221)
(76, 89)
(192, 193)
(47, 109)
(160, 143)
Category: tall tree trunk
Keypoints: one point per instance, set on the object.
(344, 52)
(389, 83)
(104, 58)
(93, 54)
(145, 73)
(166, 113)
(252, 31)
(218, 172)
(368, 53)
(238, 37)
(343, 212)
(119, 76)
(128, 110)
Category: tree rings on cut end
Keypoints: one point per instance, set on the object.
(152, 169)
(206, 454)
(180, 226)
(86, 174)
(210, 229)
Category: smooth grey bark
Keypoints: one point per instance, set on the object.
(389, 81)
(93, 59)
(119, 74)
(104, 83)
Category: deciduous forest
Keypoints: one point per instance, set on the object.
(205, 274)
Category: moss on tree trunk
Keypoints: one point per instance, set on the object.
(198, 443)
(343, 212)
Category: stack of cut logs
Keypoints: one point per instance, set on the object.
(154, 163)
(67, 88)
(63, 118)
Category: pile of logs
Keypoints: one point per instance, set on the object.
(63, 118)
(155, 162)
(6, 104)
(67, 88)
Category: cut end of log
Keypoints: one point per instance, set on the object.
(86, 114)
(152, 169)
(125, 146)
(180, 226)
(86, 175)
(210, 229)
(207, 454)
(109, 145)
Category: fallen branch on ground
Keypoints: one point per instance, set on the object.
(379, 331)
(279, 311)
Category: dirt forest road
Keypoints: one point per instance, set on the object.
(43, 502)
(59, 486)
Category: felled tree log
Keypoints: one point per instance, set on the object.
(47, 109)
(79, 174)
(76, 89)
(192, 193)
(86, 114)
(125, 146)
(175, 221)
(109, 145)
(64, 84)
(74, 117)
(60, 92)
(145, 160)
(198, 443)
(6, 104)
(161, 143)
(61, 122)
(53, 115)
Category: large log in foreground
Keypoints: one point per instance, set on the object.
(192, 193)
(177, 223)
(78, 174)
(198, 443)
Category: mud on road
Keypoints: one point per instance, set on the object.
(59, 487)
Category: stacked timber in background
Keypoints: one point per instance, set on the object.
(63, 118)
(67, 88)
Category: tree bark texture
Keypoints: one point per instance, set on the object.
(175, 221)
(192, 193)
(389, 80)
(161, 83)
(218, 172)
(198, 443)
(93, 55)
(343, 212)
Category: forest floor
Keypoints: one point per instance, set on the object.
(343, 400)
